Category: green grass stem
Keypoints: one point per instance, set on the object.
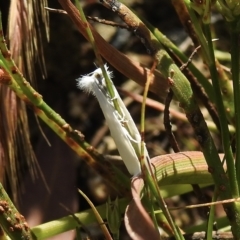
(222, 115)
(235, 53)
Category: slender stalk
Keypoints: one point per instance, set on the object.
(222, 115)
(149, 176)
(155, 190)
(208, 53)
(210, 221)
(235, 53)
(99, 219)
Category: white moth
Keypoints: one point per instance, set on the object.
(122, 128)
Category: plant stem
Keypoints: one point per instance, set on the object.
(210, 221)
(222, 115)
(12, 222)
(236, 88)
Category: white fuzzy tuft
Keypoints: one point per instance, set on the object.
(88, 82)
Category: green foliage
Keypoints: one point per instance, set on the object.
(159, 176)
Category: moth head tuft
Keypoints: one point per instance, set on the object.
(86, 83)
